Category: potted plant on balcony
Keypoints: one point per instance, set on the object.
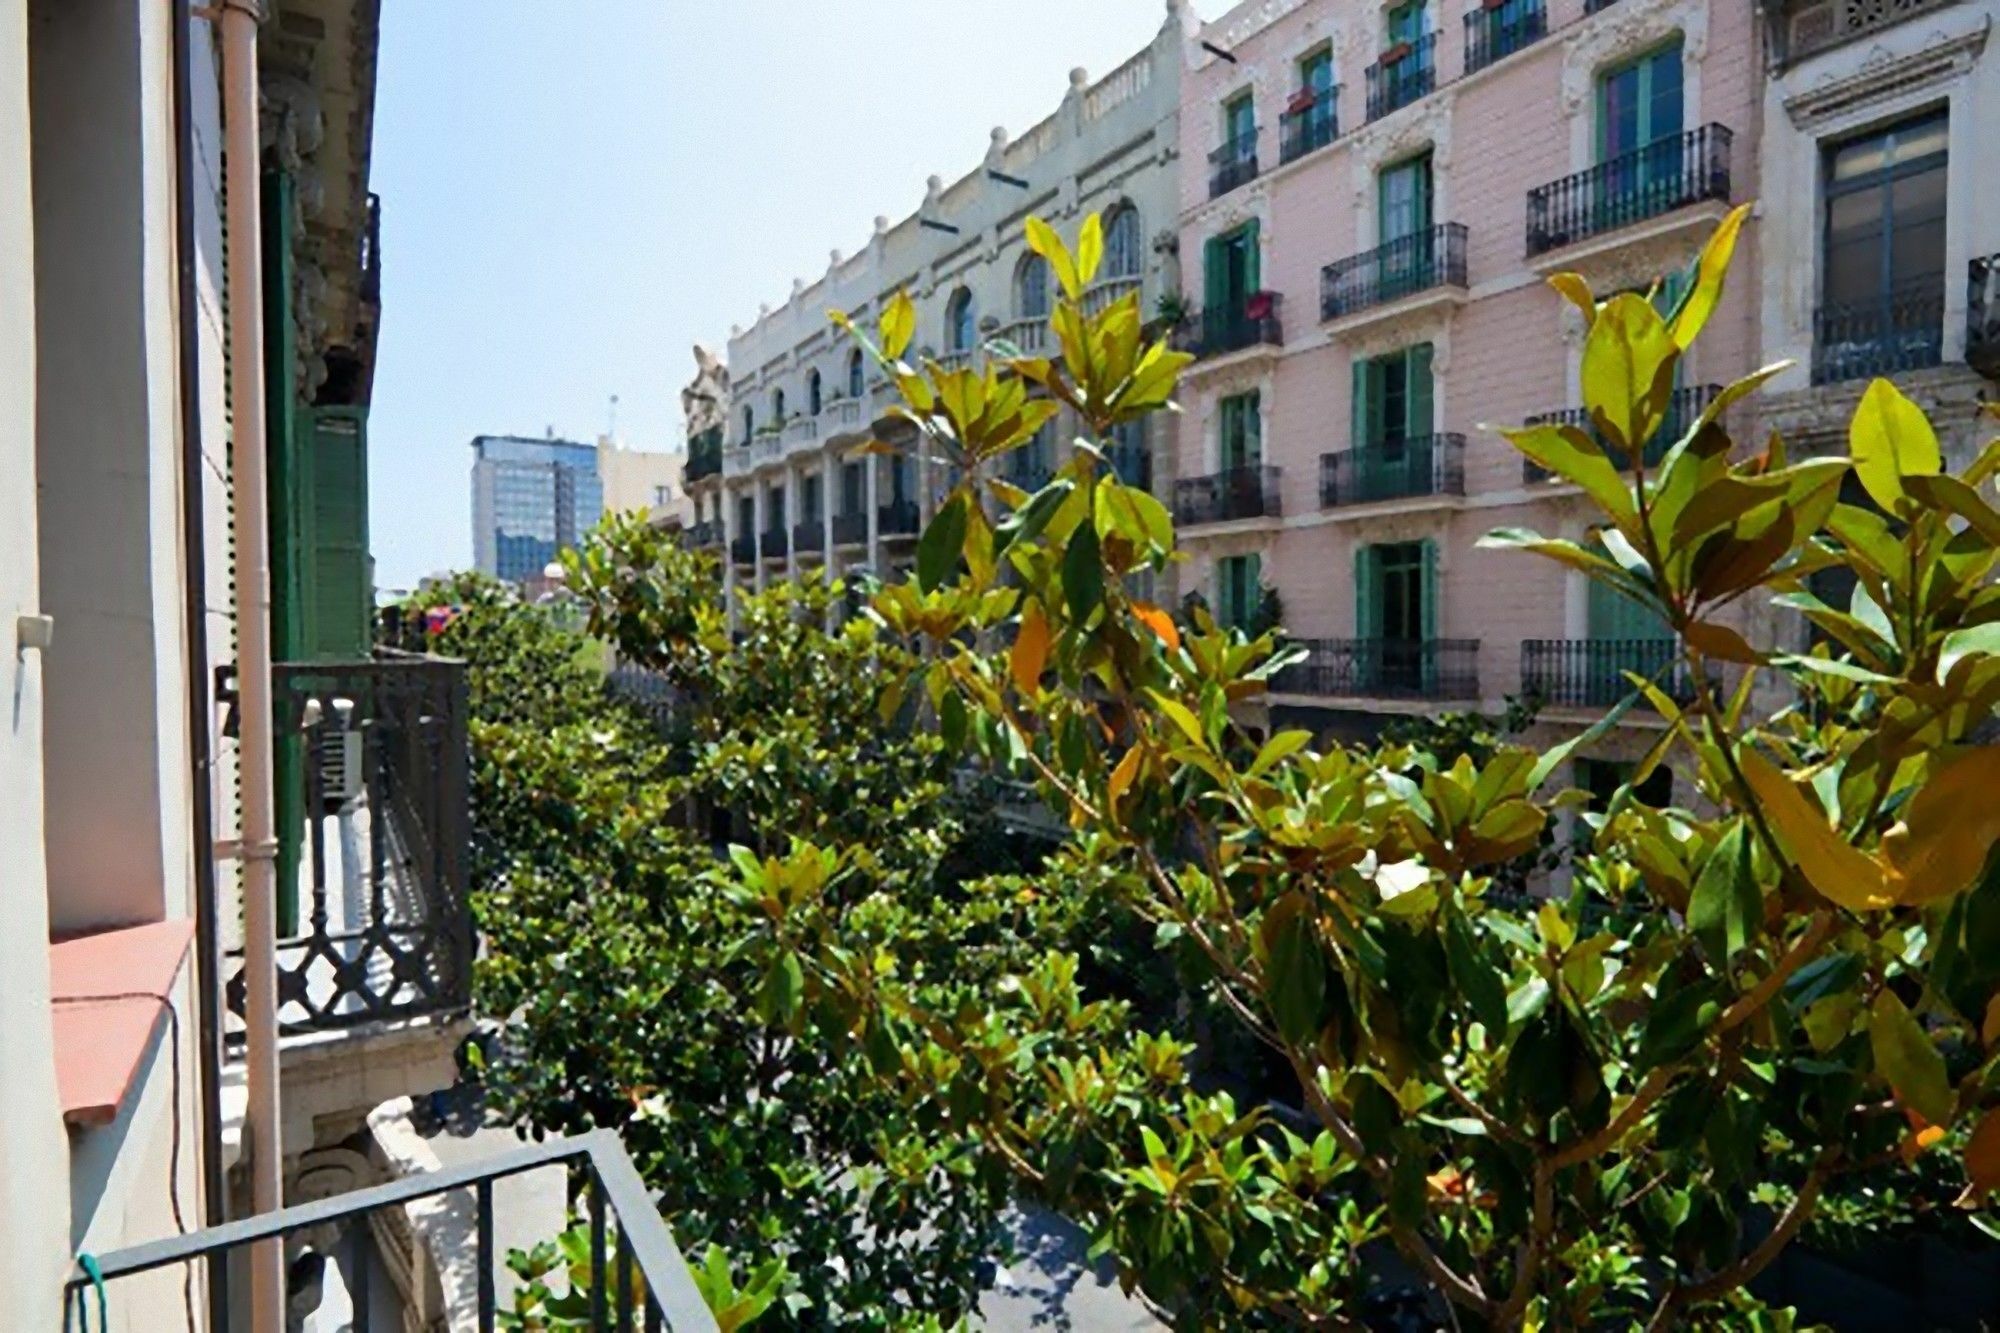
(1260, 305)
(1396, 51)
(1302, 101)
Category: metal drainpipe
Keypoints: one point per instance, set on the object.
(262, 1141)
(194, 575)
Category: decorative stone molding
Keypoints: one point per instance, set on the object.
(1625, 30)
(1884, 77)
(1431, 325)
(1387, 141)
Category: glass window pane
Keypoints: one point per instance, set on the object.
(1664, 101)
(1620, 130)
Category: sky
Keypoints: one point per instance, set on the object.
(574, 194)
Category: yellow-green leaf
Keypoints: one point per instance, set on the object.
(1951, 825)
(1089, 249)
(1628, 360)
(1122, 776)
(1577, 292)
(898, 325)
(1837, 870)
(1574, 456)
(1890, 438)
(1905, 1056)
(1709, 273)
(1031, 650)
(1042, 239)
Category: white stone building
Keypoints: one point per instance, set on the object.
(784, 492)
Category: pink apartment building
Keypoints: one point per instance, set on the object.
(1386, 189)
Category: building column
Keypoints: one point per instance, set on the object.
(725, 501)
(870, 493)
(760, 501)
(794, 509)
(829, 482)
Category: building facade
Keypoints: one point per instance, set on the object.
(777, 486)
(641, 481)
(530, 499)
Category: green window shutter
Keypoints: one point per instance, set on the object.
(1253, 587)
(1214, 273)
(1430, 591)
(1367, 593)
(1421, 193)
(1420, 421)
(340, 594)
(1253, 429)
(1253, 258)
(1225, 590)
(1358, 403)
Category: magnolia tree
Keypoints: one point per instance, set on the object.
(1555, 1119)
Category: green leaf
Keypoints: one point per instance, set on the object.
(1948, 492)
(1042, 239)
(1906, 1057)
(1083, 573)
(1628, 360)
(784, 986)
(1709, 272)
(898, 326)
(1677, 1022)
(1572, 455)
(1027, 522)
(1726, 906)
(1889, 439)
(1974, 640)
(941, 545)
(1295, 973)
(1182, 716)
(1089, 249)
(1277, 749)
(1483, 987)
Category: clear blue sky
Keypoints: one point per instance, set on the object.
(575, 193)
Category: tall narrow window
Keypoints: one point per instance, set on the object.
(1124, 246)
(1230, 274)
(1239, 590)
(813, 392)
(1031, 288)
(749, 422)
(856, 372)
(1407, 23)
(1240, 442)
(1395, 615)
(960, 329)
(1239, 127)
(853, 488)
(777, 407)
(1409, 251)
(1883, 258)
(809, 500)
(1639, 113)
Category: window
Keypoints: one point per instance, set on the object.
(813, 393)
(1128, 455)
(1239, 126)
(1393, 399)
(777, 407)
(1316, 71)
(855, 372)
(1407, 23)
(809, 501)
(746, 516)
(1240, 442)
(1639, 103)
(774, 508)
(1404, 193)
(853, 488)
(1395, 615)
(1229, 272)
(1031, 288)
(961, 334)
(1124, 246)
(1239, 590)
(1882, 261)
(749, 422)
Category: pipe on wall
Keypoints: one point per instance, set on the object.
(262, 1141)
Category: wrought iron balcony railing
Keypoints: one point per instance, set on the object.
(898, 518)
(1385, 669)
(1434, 257)
(1982, 316)
(704, 535)
(1310, 123)
(1901, 329)
(1234, 328)
(1403, 73)
(1494, 32)
(1241, 492)
(1393, 470)
(850, 529)
(1649, 182)
(771, 542)
(634, 1276)
(1682, 409)
(809, 535)
(1233, 164)
(1590, 673)
(374, 756)
(743, 549)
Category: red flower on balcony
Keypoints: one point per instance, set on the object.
(1260, 305)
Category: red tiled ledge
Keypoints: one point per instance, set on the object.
(100, 1040)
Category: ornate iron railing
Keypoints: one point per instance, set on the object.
(1311, 124)
(743, 549)
(1399, 469)
(1233, 164)
(1665, 175)
(809, 536)
(1242, 492)
(704, 456)
(772, 545)
(850, 529)
(1590, 673)
(1901, 329)
(377, 751)
(1404, 73)
(705, 534)
(1233, 328)
(898, 518)
(1494, 32)
(1434, 257)
(1982, 315)
(635, 1276)
(1384, 669)
(1682, 409)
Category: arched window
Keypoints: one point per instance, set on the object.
(777, 407)
(961, 333)
(854, 373)
(1124, 246)
(812, 392)
(749, 421)
(1031, 288)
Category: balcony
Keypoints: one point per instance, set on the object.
(1900, 330)
(809, 535)
(372, 784)
(704, 457)
(1682, 410)
(1310, 122)
(1496, 31)
(957, 359)
(898, 518)
(1384, 669)
(1224, 497)
(1432, 465)
(1405, 72)
(851, 529)
(1107, 292)
(1664, 177)
(1982, 316)
(743, 549)
(772, 544)
(1028, 335)
(1590, 673)
(1432, 260)
(1233, 164)
(704, 536)
(1252, 324)
(843, 416)
(800, 431)
(633, 1275)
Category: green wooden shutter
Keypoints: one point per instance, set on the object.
(1358, 404)
(1367, 592)
(1214, 273)
(286, 483)
(1430, 590)
(340, 591)
(1253, 258)
(1418, 419)
(1253, 428)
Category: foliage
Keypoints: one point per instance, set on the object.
(653, 986)
(556, 1290)
(1555, 1120)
